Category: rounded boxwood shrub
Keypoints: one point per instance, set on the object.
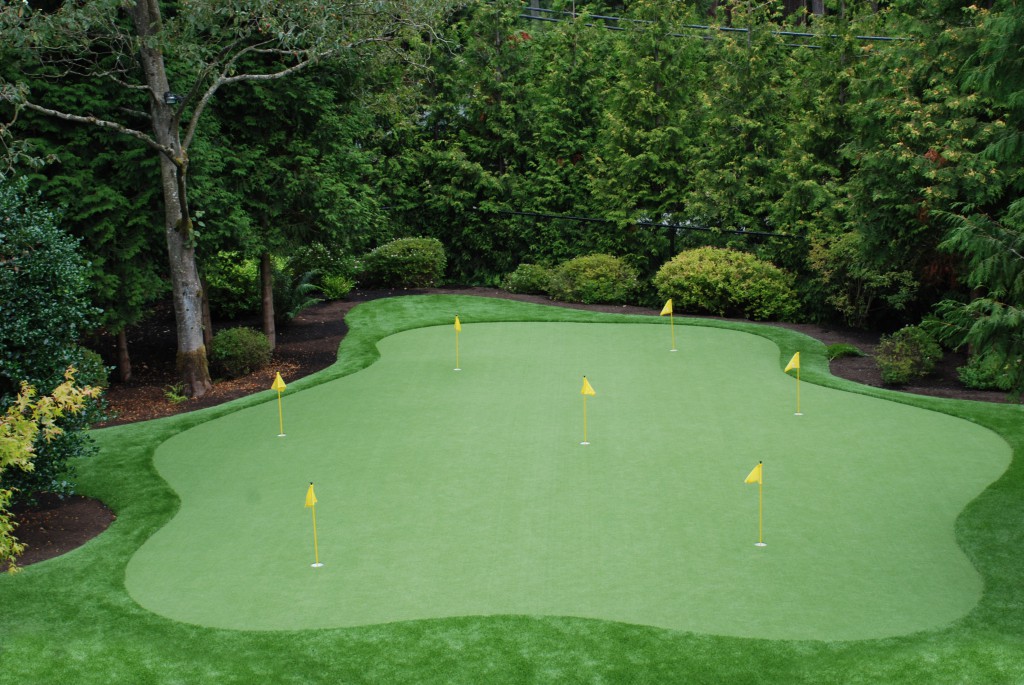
(906, 355)
(528, 279)
(405, 263)
(727, 283)
(239, 351)
(594, 279)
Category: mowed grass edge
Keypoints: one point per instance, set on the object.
(70, 619)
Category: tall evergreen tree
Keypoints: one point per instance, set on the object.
(95, 179)
(297, 172)
(203, 46)
(651, 129)
(988, 229)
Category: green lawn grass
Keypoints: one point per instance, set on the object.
(450, 494)
(562, 606)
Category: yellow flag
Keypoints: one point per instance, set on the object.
(458, 324)
(667, 309)
(587, 389)
(754, 477)
(310, 496)
(794, 363)
(278, 383)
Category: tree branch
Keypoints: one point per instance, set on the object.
(308, 58)
(223, 79)
(103, 123)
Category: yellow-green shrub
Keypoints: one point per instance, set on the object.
(594, 279)
(727, 283)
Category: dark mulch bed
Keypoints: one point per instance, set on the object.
(310, 344)
(55, 526)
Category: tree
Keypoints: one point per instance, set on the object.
(201, 45)
(988, 232)
(852, 286)
(914, 154)
(992, 322)
(651, 125)
(753, 90)
(94, 179)
(297, 174)
(446, 145)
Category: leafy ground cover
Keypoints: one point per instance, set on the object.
(71, 619)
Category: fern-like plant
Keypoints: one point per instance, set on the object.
(292, 294)
(993, 322)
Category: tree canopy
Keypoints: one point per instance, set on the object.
(871, 150)
(172, 62)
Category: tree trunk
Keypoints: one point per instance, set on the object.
(207, 317)
(186, 290)
(795, 6)
(267, 290)
(124, 362)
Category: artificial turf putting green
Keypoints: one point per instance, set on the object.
(449, 493)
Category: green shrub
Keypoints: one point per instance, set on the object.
(233, 285)
(528, 279)
(175, 393)
(45, 309)
(727, 283)
(405, 263)
(239, 351)
(851, 281)
(336, 287)
(986, 372)
(594, 279)
(839, 350)
(334, 271)
(323, 259)
(908, 354)
(92, 371)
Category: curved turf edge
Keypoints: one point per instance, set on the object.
(70, 619)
